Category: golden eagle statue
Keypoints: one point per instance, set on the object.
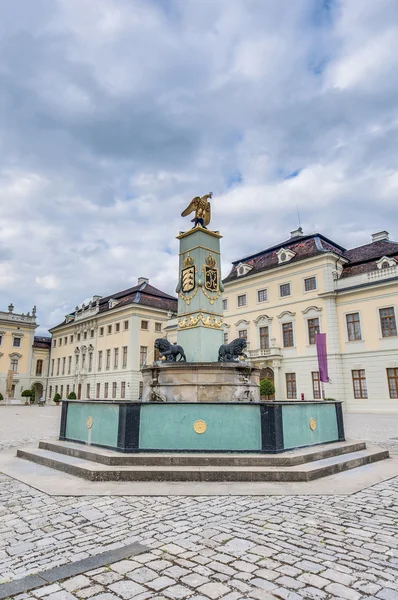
(201, 206)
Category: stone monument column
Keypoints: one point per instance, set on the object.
(200, 313)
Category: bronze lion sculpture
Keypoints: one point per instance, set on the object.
(231, 352)
(169, 351)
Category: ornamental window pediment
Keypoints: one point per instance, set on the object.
(242, 322)
(386, 262)
(312, 309)
(286, 314)
(112, 302)
(263, 320)
(243, 269)
(77, 350)
(284, 255)
(15, 355)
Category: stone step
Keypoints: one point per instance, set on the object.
(99, 472)
(285, 459)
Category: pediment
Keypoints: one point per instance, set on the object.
(263, 319)
(284, 255)
(286, 313)
(311, 309)
(386, 262)
(242, 322)
(243, 269)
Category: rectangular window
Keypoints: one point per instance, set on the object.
(144, 324)
(114, 389)
(101, 331)
(242, 300)
(316, 385)
(91, 333)
(109, 329)
(242, 333)
(124, 363)
(264, 338)
(143, 355)
(77, 361)
(98, 390)
(310, 284)
(225, 304)
(140, 389)
(50, 393)
(359, 383)
(392, 376)
(125, 325)
(313, 329)
(1, 339)
(67, 390)
(71, 339)
(387, 320)
(58, 365)
(117, 327)
(100, 360)
(69, 365)
(262, 295)
(39, 368)
(60, 342)
(78, 337)
(108, 360)
(158, 327)
(284, 290)
(122, 390)
(88, 391)
(116, 358)
(291, 389)
(85, 335)
(353, 327)
(106, 387)
(62, 391)
(63, 365)
(14, 365)
(225, 338)
(52, 367)
(287, 329)
(17, 342)
(65, 340)
(56, 389)
(54, 343)
(90, 361)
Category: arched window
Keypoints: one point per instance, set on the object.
(39, 368)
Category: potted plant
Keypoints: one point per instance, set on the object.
(57, 398)
(27, 394)
(267, 388)
(72, 396)
(1, 396)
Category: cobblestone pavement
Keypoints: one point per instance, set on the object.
(202, 548)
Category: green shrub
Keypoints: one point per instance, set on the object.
(330, 399)
(267, 388)
(57, 397)
(1, 396)
(27, 394)
(72, 396)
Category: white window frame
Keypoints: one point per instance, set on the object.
(316, 284)
(226, 304)
(237, 301)
(279, 290)
(352, 312)
(378, 309)
(262, 301)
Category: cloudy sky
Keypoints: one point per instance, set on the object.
(115, 113)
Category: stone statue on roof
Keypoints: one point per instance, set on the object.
(201, 206)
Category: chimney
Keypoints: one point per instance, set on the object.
(142, 280)
(296, 233)
(380, 236)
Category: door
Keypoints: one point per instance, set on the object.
(79, 391)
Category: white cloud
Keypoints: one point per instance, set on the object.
(116, 114)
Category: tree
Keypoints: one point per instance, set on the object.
(72, 396)
(267, 388)
(57, 397)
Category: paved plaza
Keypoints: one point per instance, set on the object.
(230, 547)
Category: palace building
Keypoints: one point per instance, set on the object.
(99, 349)
(280, 298)
(24, 357)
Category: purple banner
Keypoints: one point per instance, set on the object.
(322, 357)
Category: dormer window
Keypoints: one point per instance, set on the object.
(385, 262)
(284, 255)
(243, 269)
(112, 302)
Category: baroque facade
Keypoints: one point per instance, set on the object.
(280, 298)
(24, 357)
(99, 349)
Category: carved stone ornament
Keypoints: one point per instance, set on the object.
(200, 319)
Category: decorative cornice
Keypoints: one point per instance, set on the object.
(286, 313)
(242, 322)
(15, 355)
(200, 319)
(263, 318)
(311, 308)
